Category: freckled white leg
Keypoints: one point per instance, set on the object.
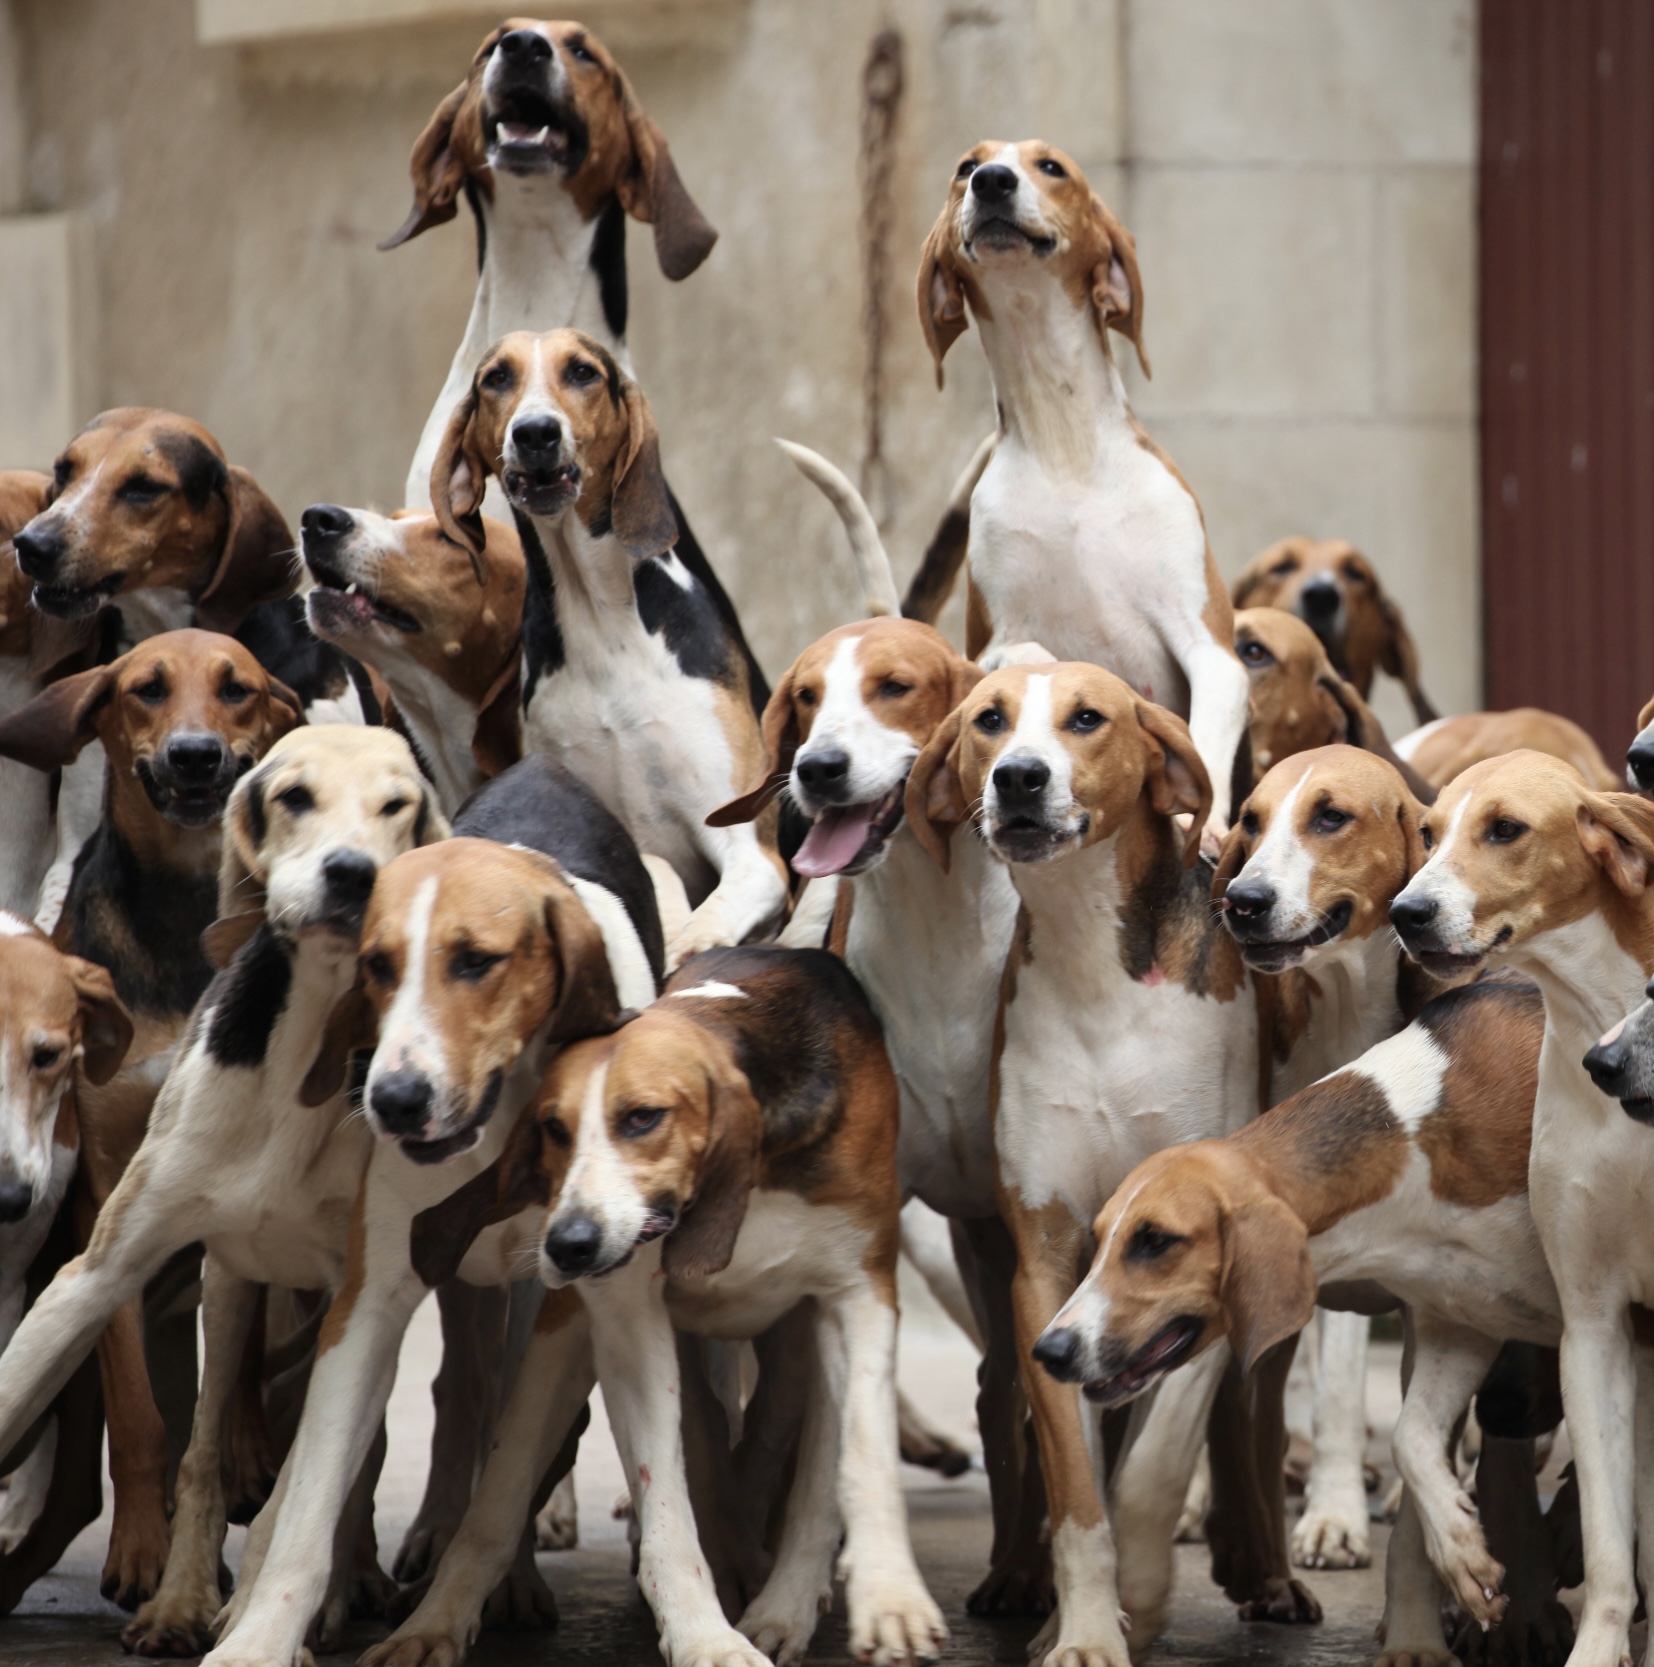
(782, 1618)
(637, 1364)
(1218, 695)
(671, 900)
(552, 1383)
(79, 810)
(178, 1619)
(1150, 1484)
(747, 901)
(349, 1386)
(1449, 1364)
(892, 1617)
(26, 1494)
(1332, 1533)
(1411, 1630)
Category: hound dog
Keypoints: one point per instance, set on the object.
(1333, 588)
(1449, 746)
(180, 719)
(1408, 1170)
(397, 594)
(841, 733)
(479, 959)
(1084, 537)
(1321, 849)
(61, 1024)
(630, 676)
(1531, 867)
(1126, 1023)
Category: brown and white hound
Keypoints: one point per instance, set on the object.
(1332, 587)
(1084, 538)
(631, 677)
(1449, 746)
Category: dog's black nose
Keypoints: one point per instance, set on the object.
(323, 521)
(196, 759)
(1607, 1062)
(824, 771)
(537, 437)
(524, 46)
(1639, 760)
(1412, 914)
(573, 1244)
(1058, 1351)
(401, 1100)
(1019, 780)
(993, 183)
(1249, 900)
(1320, 600)
(349, 876)
(16, 1198)
(39, 550)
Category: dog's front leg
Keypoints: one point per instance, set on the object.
(1088, 1627)
(1449, 1364)
(1218, 695)
(1411, 1630)
(748, 900)
(637, 1364)
(1332, 1532)
(551, 1386)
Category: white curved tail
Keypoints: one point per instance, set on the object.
(878, 583)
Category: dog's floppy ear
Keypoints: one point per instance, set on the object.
(105, 1027)
(934, 800)
(438, 165)
(640, 509)
(703, 1240)
(1362, 729)
(1410, 814)
(941, 290)
(50, 730)
(780, 732)
(497, 740)
(430, 825)
(285, 708)
(257, 562)
(586, 1002)
(1400, 658)
(1231, 859)
(439, 1237)
(652, 192)
(1176, 781)
(1116, 284)
(1269, 1285)
(459, 480)
(241, 873)
(1617, 831)
(351, 1025)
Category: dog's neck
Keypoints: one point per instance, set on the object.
(1350, 999)
(587, 581)
(153, 842)
(441, 722)
(1056, 386)
(1589, 976)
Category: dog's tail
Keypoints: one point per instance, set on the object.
(933, 584)
(878, 583)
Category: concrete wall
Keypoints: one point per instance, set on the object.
(1298, 173)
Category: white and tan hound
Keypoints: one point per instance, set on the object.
(1084, 537)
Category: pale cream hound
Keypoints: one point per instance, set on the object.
(632, 678)
(306, 832)
(547, 144)
(1407, 1170)
(1126, 1023)
(1532, 868)
(479, 958)
(1322, 846)
(841, 733)
(722, 1157)
(60, 1020)
(1084, 537)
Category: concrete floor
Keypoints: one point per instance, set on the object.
(64, 1622)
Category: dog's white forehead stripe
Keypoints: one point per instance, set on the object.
(714, 990)
(1409, 1068)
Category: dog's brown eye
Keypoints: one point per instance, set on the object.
(153, 692)
(1426, 838)
(1086, 721)
(990, 722)
(805, 697)
(43, 1059)
(965, 168)
(234, 691)
(891, 689)
(497, 377)
(1330, 821)
(582, 373)
(1049, 165)
(1149, 1243)
(296, 800)
(471, 966)
(62, 471)
(1255, 654)
(378, 967)
(1250, 824)
(557, 1132)
(393, 807)
(141, 490)
(1504, 830)
(640, 1120)
(1354, 574)
(581, 53)
(1284, 569)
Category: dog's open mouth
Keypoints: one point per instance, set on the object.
(1454, 963)
(1276, 957)
(1027, 839)
(343, 605)
(72, 602)
(450, 1146)
(543, 491)
(844, 839)
(997, 232)
(1169, 1347)
(529, 133)
(193, 806)
(1641, 1110)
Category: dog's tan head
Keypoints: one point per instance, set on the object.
(1323, 845)
(1049, 759)
(476, 957)
(310, 829)
(1516, 847)
(564, 428)
(1014, 208)
(142, 500)
(56, 1012)
(1192, 1248)
(1332, 587)
(549, 98)
(183, 716)
(842, 730)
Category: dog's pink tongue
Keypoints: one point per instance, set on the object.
(833, 841)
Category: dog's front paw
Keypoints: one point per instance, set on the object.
(417, 1647)
(782, 1622)
(1284, 1601)
(1097, 1645)
(522, 1602)
(138, 1543)
(1333, 1537)
(1470, 1571)
(1416, 1655)
(557, 1527)
(173, 1623)
(893, 1621)
(721, 1647)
